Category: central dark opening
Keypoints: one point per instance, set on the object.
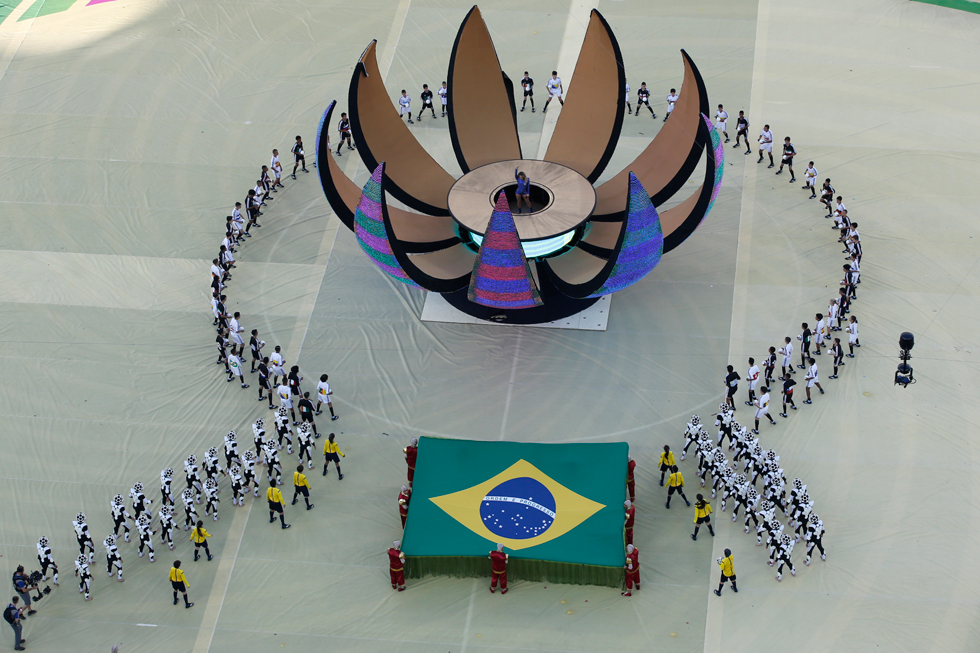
(540, 197)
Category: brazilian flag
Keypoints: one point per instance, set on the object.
(556, 508)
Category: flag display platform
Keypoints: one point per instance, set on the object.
(556, 508)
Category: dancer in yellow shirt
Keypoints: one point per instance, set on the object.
(199, 536)
(727, 565)
(301, 486)
(179, 583)
(332, 454)
(274, 497)
(701, 512)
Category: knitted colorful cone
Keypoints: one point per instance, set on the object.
(501, 277)
(643, 242)
(369, 227)
(719, 155)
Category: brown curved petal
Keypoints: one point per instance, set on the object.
(442, 268)
(342, 194)
(380, 135)
(418, 233)
(482, 114)
(669, 160)
(590, 121)
(680, 221)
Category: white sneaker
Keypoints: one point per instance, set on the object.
(792, 571)
(823, 556)
(807, 561)
(141, 554)
(779, 577)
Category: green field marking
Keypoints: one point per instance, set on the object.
(7, 7)
(962, 5)
(45, 7)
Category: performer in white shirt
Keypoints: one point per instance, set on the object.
(555, 90)
(752, 376)
(721, 121)
(810, 177)
(405, 106)
(786, 351)
(443, 91)
(762, 408)
(765, 146)
(672, 99)
(812, 379)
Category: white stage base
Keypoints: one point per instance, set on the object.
(594, 318)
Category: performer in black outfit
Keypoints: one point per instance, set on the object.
(344, 128)
(426, 102)
(528, 85)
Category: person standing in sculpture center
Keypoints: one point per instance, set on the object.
(405, 106)
(555, 90)
(523, 191)
(528, 85)
(426, 102)
(765, 146)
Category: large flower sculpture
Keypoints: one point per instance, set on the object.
(579, 242)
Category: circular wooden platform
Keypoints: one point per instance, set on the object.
(572, 198)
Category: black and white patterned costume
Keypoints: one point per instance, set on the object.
(250, 477)
(211, 496)
(784, 556)
(166, 493)
(231, 449)
(46, 559)
(691, 434)
(82, 536)
(119, 515)
(192, 476)
(304, 443)
(814, 538)
(167, 525)
(190, 510)
(237, 493)
(731, 482)
(112, 556)
(140, 503)
(272, 461)
(84, 577)
(283, 429)
(145, 534)
(212, 465)
(258, 437)
(724, 423)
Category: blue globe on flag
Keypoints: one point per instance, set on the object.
(520, 508)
